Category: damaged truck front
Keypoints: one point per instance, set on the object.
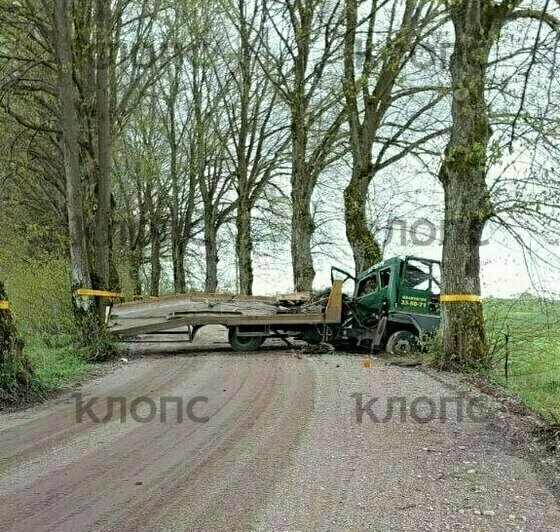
(391, 304)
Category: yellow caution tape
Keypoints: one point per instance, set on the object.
(460, 298)
(4, 305)
(96, 293)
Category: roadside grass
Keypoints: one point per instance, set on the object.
(38, 290)
(55, 367)
(532, 327)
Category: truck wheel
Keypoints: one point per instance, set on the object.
(402, 342)
(244, 343)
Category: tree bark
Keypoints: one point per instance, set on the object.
(244, 248)
(179, 277)
(79, 265)
(157, 229)
(303, 225)
(464, 338)
(303, 228)
(155, 275)
(211, 248)
(136, 255)
(463, 175)
(135, 263)
(365, 249)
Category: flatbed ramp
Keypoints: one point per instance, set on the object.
(187, 313)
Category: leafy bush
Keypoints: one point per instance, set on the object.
(39, 294)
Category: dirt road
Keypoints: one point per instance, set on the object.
(282, 450)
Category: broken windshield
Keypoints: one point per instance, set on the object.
(421, 275)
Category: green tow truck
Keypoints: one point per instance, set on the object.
(388, 307)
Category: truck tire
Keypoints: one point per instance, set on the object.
(402, 342)
(244, 343)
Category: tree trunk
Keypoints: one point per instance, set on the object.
(155, 276)
(365, 249)
(464, 341)
(135, 242)
(103, 214)
(177, 221)
(243, 239)
(211, 247)
(79, 266)
(303, 225)
(179, 278)
(467, 201)
(135, 263)
(244, 248)
(12, 360)
(136, 258)
(303, 228)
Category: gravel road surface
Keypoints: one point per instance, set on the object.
(282, 450)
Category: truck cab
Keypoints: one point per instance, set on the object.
(398, 299)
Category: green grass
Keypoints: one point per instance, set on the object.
(56, 367)
(533, 327)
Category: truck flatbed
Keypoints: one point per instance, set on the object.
(248, 316)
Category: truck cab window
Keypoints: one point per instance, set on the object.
(367, 286)
(417, 275)
(385, 277)
(436, 279)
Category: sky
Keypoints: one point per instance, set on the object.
(408, 191)
(503, 271)
(418, 199)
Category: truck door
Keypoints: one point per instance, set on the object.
(385, 286)
(366, 294)
(373, 292)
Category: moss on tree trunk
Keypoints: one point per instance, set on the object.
(15, 367)
(365, 249)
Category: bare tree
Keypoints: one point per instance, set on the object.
(176, 116)
(131, 202)
(256, 136)
(307, 34)
(144, 190)
(370, 94)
